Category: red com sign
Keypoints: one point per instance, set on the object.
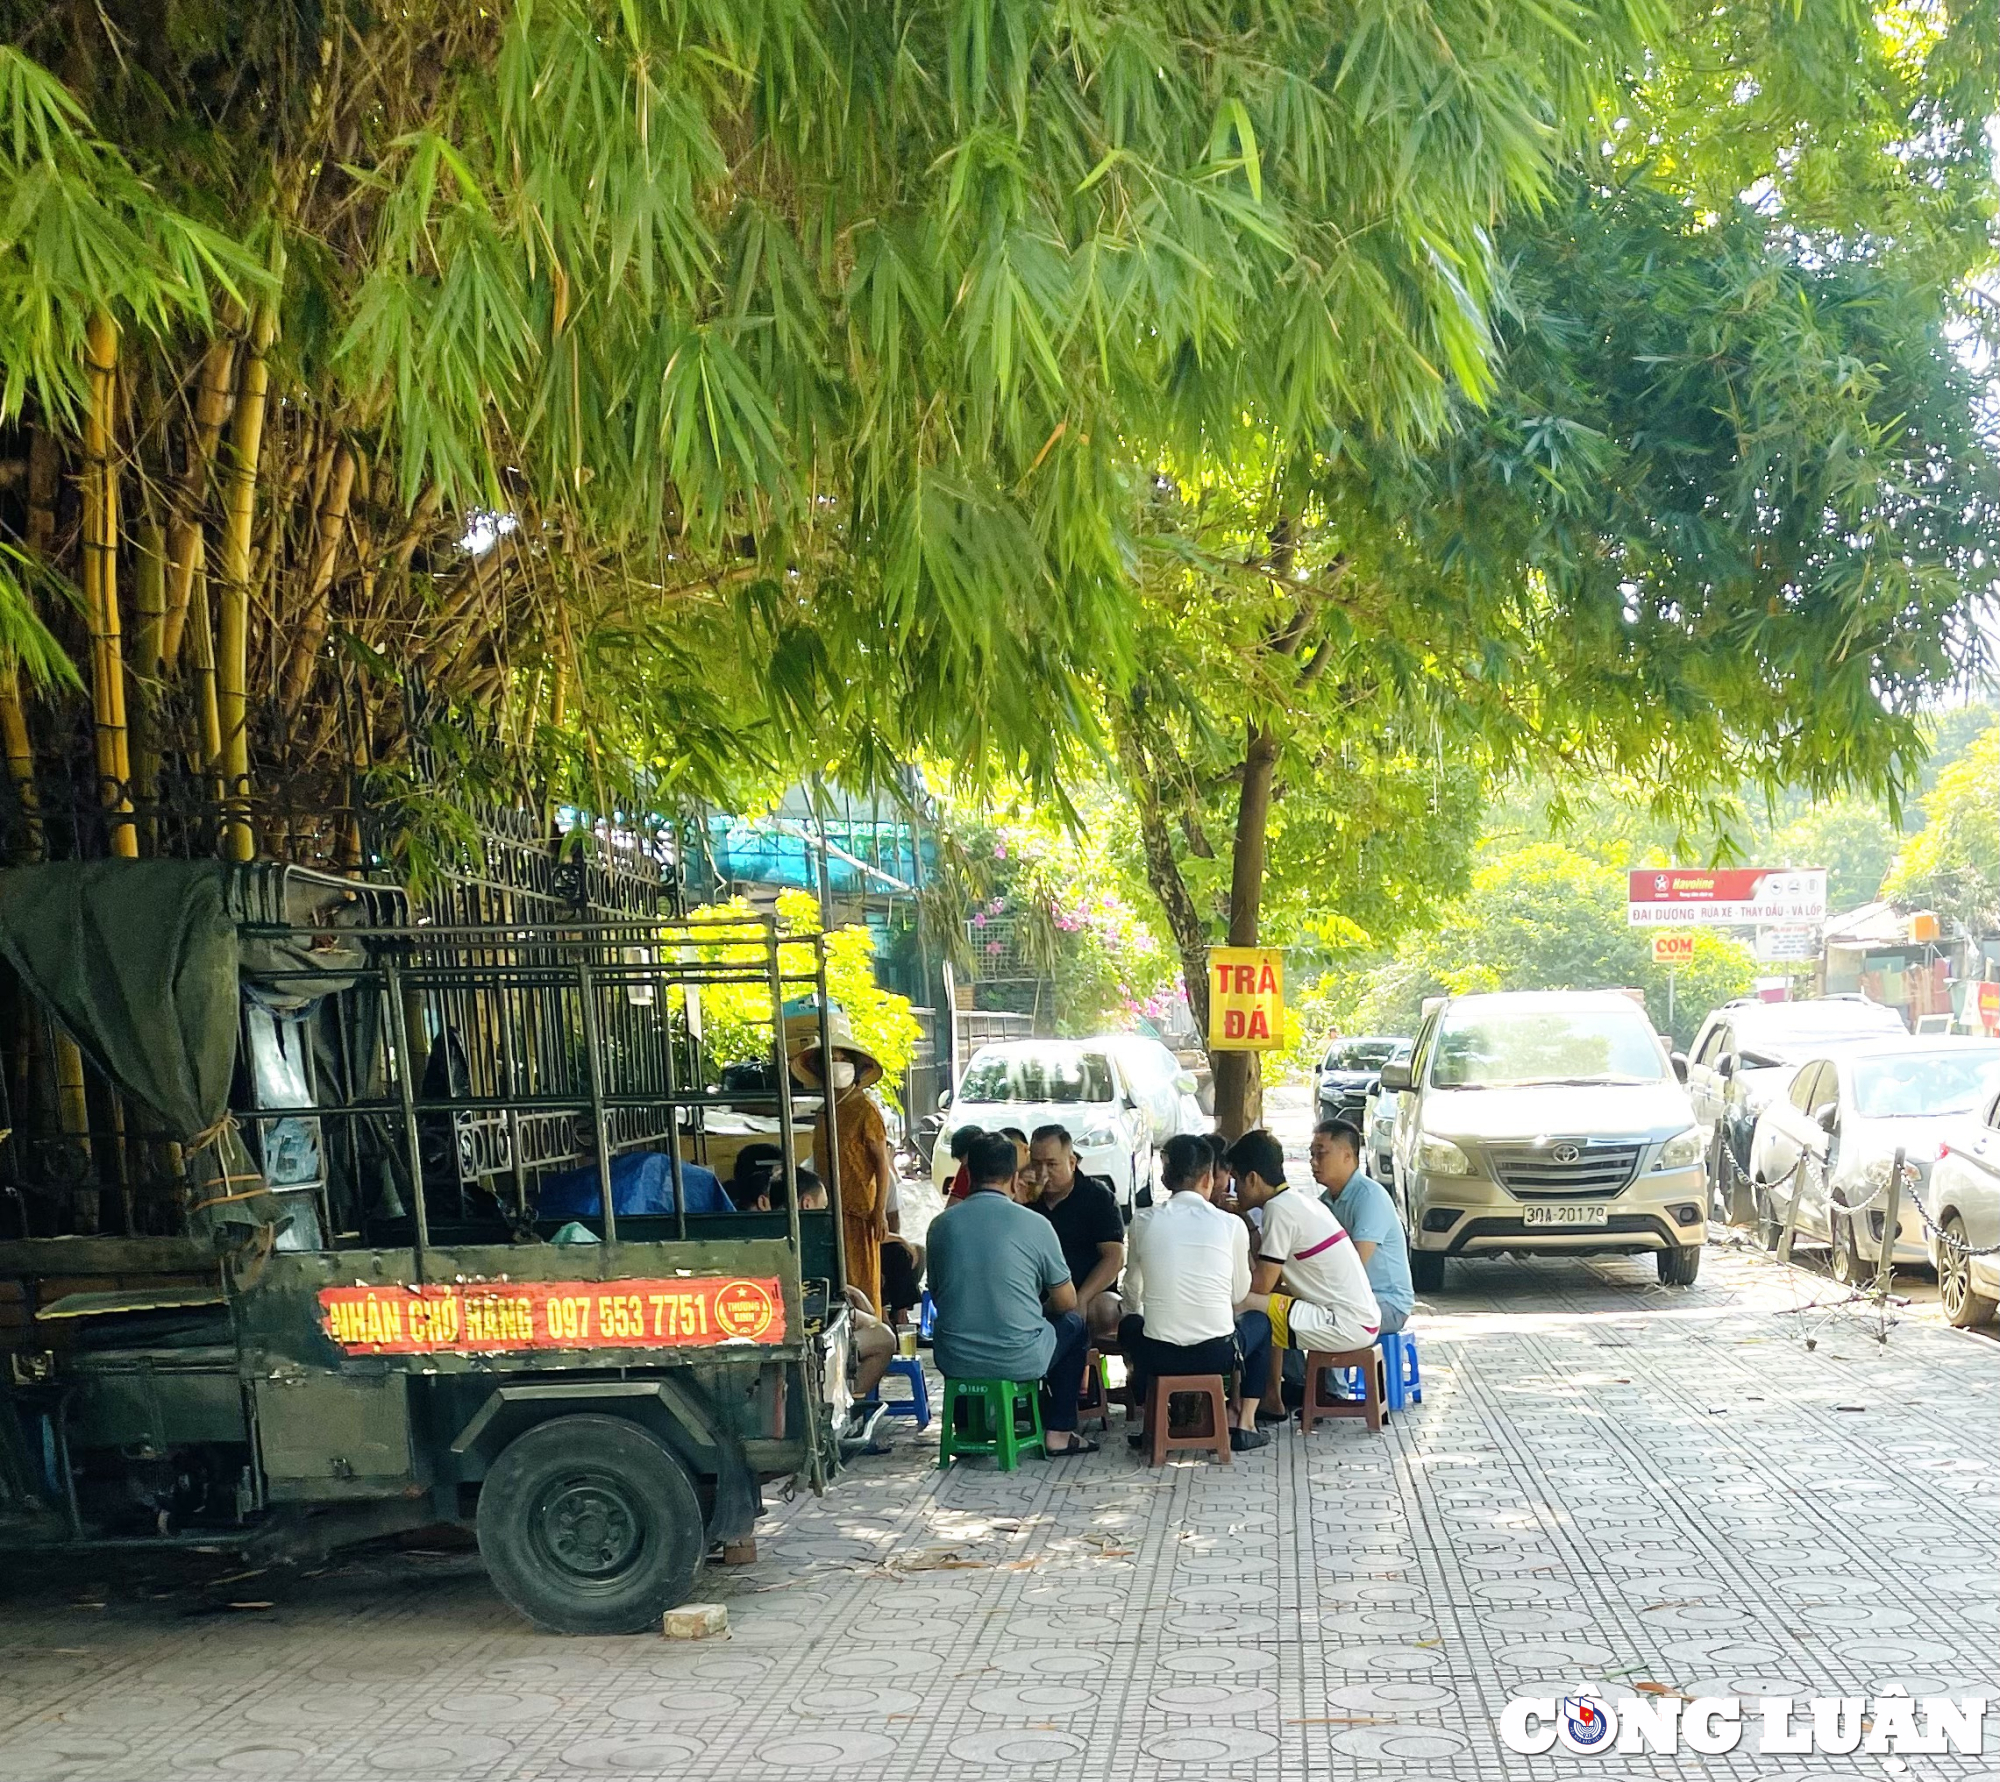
(1677, 897)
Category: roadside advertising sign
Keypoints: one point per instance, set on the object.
(1986, 1000)
(1246, 999)
(1673, 949)
(1787, 945)
(1679, 897)
(488, 1317)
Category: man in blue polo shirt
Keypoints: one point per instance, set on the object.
(1006, 1305)
(1368, 1215)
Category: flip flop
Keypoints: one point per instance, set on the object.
(1082, 1445)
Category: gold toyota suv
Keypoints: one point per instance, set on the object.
(1548, 1122)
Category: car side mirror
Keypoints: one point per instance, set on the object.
(1828, 1115)
(1184, 1082)
(1725, 1066)
(1396, 1076)
(1680, 1064)
(944, 1100)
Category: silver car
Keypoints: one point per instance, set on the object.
(1964, 1204)
(1831, 1139)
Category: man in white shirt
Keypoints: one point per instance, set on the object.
(1188, 1272)
(1308, 1280)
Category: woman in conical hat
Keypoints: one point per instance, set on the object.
(867, 1171)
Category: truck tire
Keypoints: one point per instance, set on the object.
(1426, 1271)
(1679, 1264)
(590, 1525)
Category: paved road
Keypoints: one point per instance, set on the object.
(1607, 1481)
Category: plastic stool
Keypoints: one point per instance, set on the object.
(993, 1419)
(917, 1407)
(1406, 1379)
(1323, 1366)
(926, 1316)
(1094, 1401)
(1214, 1430)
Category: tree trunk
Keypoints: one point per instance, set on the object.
(100, 588)
(213, 399)
(232, 642)
(1239, 1083)
(1163, 871)
(311, 631)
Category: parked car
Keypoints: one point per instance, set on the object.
(1077, 1084)
(1378, 1133)
(1831, 1139)
(1545, 1122)
(1163, 1084)
(1963, 1198)
(1351, 1072)
(1743, 1058)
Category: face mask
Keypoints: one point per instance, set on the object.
(843, 1074)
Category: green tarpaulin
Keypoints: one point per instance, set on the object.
(138, 960)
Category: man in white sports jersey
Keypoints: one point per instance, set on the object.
(1306, 1278)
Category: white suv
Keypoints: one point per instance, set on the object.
(1546, 1122)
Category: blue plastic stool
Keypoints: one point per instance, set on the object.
(926, 1316)
(1405, 1378)
(917, 1407)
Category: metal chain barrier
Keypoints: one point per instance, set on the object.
(1957, 1246)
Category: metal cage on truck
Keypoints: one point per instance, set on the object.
(364, 1319)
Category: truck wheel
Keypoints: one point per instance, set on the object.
(1426, 1271)
(1679, 1264)
(1963, 1308)
(590, 1525)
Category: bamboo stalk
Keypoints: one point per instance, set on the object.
(150, 603)
(20, 750)
(100, 588)
(214, 397)
(232, 654)
(311, 632)
(201, 623)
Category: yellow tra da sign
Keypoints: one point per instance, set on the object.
(1246, 999)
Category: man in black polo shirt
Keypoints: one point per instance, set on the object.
(1091, 1230)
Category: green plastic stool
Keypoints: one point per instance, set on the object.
(993, 1420)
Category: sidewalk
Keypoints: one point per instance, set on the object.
(1607, 1482)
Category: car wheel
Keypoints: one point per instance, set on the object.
(1770, 1224)
(590, 1525)
(1848, 1268)
(1963, 1308)
(1426, 1271)
(1679, 1265)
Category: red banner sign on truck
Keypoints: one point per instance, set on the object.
(486, 1317)
(1674, 896)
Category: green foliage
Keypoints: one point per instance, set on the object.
(1952, 865)
(736, 1017)
(1542, 918)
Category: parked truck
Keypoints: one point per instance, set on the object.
(319, 1303)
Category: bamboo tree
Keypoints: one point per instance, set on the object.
(311, 627)
(214, 399)
(232, 644)
(100, 588)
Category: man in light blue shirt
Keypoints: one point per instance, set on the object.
(1006, 1305)
(1367, 1214)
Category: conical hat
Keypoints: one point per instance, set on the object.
(840, 1037)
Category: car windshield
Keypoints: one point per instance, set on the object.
(1512, 1048)
(1926, 1083)
(1039, 1076)
(1360, 1054)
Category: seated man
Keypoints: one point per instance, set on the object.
(1367, 1215)
(1190, 1277)
(1308, 1278)
(1006, 1307)
(874, 1345)
(902, 1263)
(1089, 1226)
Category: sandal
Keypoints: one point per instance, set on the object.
(1082, 1445)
